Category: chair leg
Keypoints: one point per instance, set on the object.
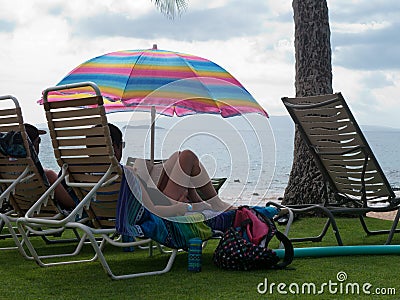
(304, 209)
(393, 230)
(330, 222)
(1, 226)
(317, 238)
(39, 259)
(102, 259)
(15, 236)
(58, 241)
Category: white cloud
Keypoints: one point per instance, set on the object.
(370, 104)
(42, 40)
(201, 4)
(358, 27)
(278, 8)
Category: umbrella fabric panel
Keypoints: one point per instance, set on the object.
(110, 72)
(175, 83)
(157, 68)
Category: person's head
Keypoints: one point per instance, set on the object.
(116, 138)
(33, 134)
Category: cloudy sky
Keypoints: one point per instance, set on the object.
(42, 40)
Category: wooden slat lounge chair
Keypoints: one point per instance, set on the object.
(82, 145)
(345, 160)
(21, 178)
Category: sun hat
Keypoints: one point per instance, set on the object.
(33, 132)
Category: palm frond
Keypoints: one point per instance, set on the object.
(171, 8)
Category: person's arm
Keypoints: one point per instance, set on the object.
(200, 206)
(60, 193)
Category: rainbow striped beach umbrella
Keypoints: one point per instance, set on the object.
(166, 82)
(173, 83)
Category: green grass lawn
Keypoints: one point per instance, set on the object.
(22, 279)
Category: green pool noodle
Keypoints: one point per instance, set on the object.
(342, 250)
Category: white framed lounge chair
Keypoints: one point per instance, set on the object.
(83, 148)
(22, 177)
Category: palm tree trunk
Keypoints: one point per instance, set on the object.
(313, 77)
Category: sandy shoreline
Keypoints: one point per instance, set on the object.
(383, 215)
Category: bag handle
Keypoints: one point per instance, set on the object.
(246, 222)
(289, 252)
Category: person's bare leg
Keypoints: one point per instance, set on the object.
(201, 180)
(180, 169)
(189, 174)
(173, 184)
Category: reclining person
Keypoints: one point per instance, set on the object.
(183, 173)
(61, 195)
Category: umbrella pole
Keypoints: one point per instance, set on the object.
(152, 132)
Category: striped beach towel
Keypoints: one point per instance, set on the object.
(133, 219)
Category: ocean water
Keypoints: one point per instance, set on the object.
(255, 155)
